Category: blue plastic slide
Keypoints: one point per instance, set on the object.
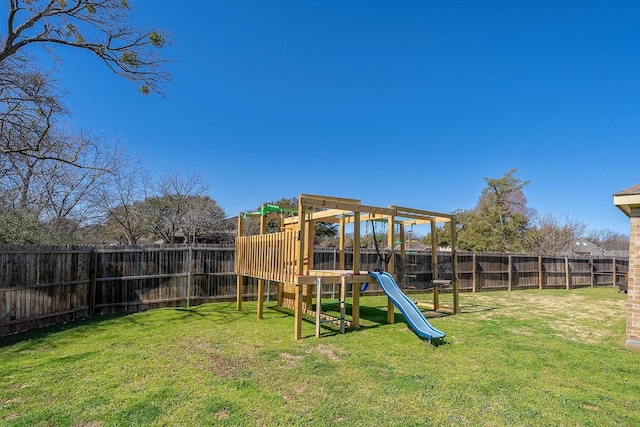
(414, 316)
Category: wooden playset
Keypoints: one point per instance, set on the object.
(286, 257)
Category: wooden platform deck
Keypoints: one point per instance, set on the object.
(334, 276)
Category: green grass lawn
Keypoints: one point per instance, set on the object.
(521, 358)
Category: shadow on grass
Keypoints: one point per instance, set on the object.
(474, 308)
(37, 335)
(221, 312)
(377, 315)
(281, 311)
(226, 312)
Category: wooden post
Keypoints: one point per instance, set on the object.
(434, 252)
(342, 297)
(342, 243)
(239, 281)
(540, 274)
(355, 305)
(473, 272)
(613, 268)
(436, 298)
(390, 267)
(189, 275)
(93, 272)
(260, 310)
(434, 265)
(403, 247)
(510, 272)
(318, 305)
(356, 243)
(456, 300)
(310, 236)
(591, 269)
(390, 240)
(239, 278)
(298, 313)
(355, 292)
(454, 258)
(301, 237)
(567, 278)
(261, 282)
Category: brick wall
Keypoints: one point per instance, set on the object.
(633, 295)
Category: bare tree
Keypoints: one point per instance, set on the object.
(202, 217)
(59, 195)
(30, 97)
(50, 177)
(609, 240)
(102, 27)
(551, 235)
(29, 105)
(166, 211)
(123, 202)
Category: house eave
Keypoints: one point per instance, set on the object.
(625, 202)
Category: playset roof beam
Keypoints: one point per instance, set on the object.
(384, 218)
(328, 204)
(413, 213)
(328, 215)
(331, 198)
(352, 205)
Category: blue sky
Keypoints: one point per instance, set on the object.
(391, 102)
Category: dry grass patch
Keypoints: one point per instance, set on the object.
(222, 414)
(224, 367)
(291, 361)
(329, 351)
(568, 315)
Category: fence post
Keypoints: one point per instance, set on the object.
(189, 258)
(510, 272)
(93, 269)
(615, 279)
(473, 273)
(591, 269)
(540, 274)
(566, 272)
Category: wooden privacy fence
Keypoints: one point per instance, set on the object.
(479, 272)
(42, 286)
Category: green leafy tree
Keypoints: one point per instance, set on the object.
(18, 229)
(500, 218)
(289, 206)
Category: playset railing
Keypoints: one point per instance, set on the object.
(268, 256)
